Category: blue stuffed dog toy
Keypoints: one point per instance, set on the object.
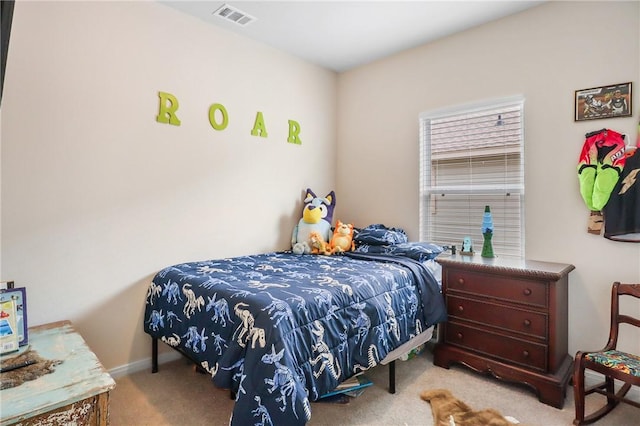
(317, 216)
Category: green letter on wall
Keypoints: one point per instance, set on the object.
(212, 117)
(258, 126)
(294, 130)
(168, 107)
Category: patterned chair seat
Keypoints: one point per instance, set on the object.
(621, 361)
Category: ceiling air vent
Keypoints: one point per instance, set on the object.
(234, 15)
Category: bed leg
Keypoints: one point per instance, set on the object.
(392, 377)
(154, 355)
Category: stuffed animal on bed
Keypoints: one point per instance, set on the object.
(317, 215)
(342, 239)
(318, 244)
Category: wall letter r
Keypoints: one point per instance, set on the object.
(167, 110)
(294, 131)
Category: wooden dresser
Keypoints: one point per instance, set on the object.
(507, 317)
(76, 393)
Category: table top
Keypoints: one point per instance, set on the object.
(514, 265)
(79, 376)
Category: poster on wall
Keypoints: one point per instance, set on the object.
(603, 102)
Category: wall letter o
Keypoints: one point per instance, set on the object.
(212, 116)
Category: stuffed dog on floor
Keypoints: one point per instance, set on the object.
(449, 411)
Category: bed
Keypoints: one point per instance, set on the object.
(281, 330)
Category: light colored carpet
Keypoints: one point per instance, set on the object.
(177, 395)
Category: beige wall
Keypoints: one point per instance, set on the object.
(544, 54)
(97, 196)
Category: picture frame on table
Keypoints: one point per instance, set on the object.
(609, 101)
(19, 297)
(8, 327)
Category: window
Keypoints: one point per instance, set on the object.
(472, 157)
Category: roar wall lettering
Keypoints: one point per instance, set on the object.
(219, 118)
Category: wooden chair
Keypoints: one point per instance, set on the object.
(613, 364)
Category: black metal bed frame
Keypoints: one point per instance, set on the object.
(154, 365)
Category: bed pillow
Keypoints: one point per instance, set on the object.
(379, 234)
(415, 250)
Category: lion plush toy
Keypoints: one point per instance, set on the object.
(317, 216)
(342, 239)
(318, 244)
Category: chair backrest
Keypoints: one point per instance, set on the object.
(617, 291)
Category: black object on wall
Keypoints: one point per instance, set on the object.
(6, 11)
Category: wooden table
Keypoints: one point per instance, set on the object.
(77, 392)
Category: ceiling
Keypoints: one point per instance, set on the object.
(340, 35)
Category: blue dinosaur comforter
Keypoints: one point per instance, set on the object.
(281, 330)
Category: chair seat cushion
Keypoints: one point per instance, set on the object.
(621, 361)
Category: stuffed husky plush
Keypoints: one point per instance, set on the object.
(317, 216)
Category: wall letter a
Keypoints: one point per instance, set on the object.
(258, 127)
(167, 111)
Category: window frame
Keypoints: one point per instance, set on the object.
(427, 190)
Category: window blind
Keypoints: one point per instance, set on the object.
(471, 157)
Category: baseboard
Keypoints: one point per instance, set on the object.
(143, 364)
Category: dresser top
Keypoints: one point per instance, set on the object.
(511, 265)
(79, 376)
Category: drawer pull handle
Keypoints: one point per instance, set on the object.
(525, 354)
(526, 323)
(461, 281)
(459, 336)
(527, 292)
(460, 308)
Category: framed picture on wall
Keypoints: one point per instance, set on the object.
(603, 102)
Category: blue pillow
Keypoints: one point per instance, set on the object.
(379, 234)
(415, 250)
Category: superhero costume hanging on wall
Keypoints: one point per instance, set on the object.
(622, 212)
(600, 165)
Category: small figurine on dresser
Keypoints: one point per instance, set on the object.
(467, 246)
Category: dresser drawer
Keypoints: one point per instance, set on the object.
(505, 317)
(511, 289)
(517, 351)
